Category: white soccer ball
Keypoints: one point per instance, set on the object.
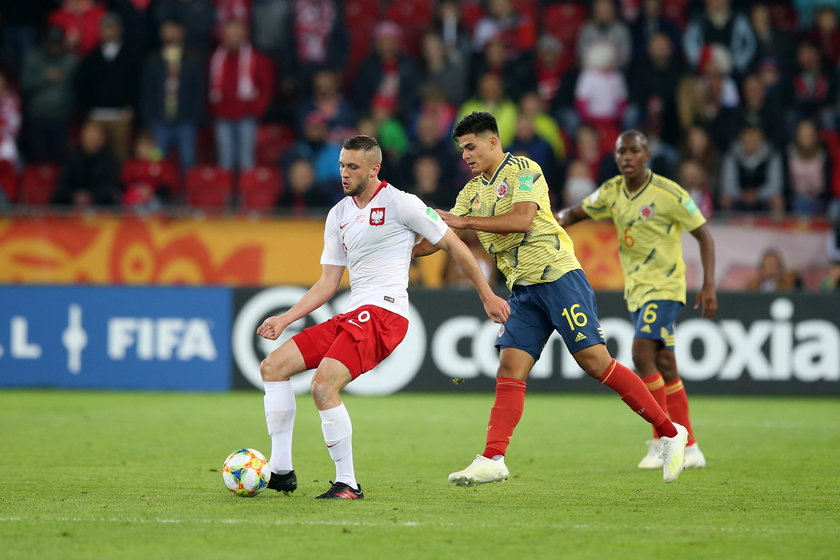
(246, 472)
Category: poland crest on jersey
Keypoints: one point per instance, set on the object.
(377, 216)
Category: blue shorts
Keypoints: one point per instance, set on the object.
(566, 305)
(655, 320)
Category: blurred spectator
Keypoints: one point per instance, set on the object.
(443, 68)
(393, 139)
(493, 59)
(79, 19)
(600, 92)
(771, 43)
(449, 25)
(227, 10)
(807, 9)
(831, 283)
(436, 107)
(107, 85)
(10, 117)
(545, 126)
(91, 175)
(527, 143)
(751, 175)
(813, 87)
(490, 96)
(139, 29)
(301, 194)
(198, 17)
(695, 180)
(653, 90)
(710, 97)
(604, 26)
(21, 24)
(579, 183)
(551, 69)
(425, 182)
(760, 110)
(587, 150)
(772, 275)
(698, 147)
(517, 32)
(808, 171)
(47, 81)
(315, 146)
(173, 90)
(314, 37)
(386, 74)
(328, 100)
(430, 143)
(241, 87)
(649, 23)
(267, 17)
(454, 277)
(719, 25)
(826, 33)
(149, 181)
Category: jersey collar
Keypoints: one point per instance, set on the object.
(496, 173)
(381, 186)
(640, 191)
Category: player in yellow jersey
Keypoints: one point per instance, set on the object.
(507, 204)
(650, 213)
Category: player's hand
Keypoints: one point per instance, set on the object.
(706, 300)
(497, 309)
(450, 219)
(271, 328)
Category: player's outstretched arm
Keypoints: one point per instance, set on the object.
(706, 298)
(496, 308)
(320, 292)
(518, 220)
(569, 216)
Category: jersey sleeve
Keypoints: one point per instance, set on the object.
(529, 186)
(421, 219)
(334, 252)
(598, 205)
(687, 213)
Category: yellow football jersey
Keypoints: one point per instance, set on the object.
(649, 224)
(546, 252)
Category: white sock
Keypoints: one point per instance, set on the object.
(338, 434)
(280, 419)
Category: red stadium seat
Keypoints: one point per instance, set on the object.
(8, 180)
(676, 11)
(471, 12)
(414, 18)
(208, 187)
(38, 184)
(260, 189)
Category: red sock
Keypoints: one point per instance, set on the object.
(656, 386)
(678, 406)
(634, 393)
(505, 415)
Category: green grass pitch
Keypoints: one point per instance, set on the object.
(137, 475)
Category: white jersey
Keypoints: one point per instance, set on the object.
(375, 243)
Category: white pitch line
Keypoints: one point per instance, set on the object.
(338, 523)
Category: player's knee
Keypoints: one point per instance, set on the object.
(271, 369)
(323, 389)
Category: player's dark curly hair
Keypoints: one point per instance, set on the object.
(476, 123)
(367, 144)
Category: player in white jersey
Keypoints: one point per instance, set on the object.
(371, 233)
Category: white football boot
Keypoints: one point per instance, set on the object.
(673, 454)
(652, 460)
(694, 458)
(480, 471)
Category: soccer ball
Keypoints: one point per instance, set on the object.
(246, 472)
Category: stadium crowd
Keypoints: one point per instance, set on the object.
(152, 104)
